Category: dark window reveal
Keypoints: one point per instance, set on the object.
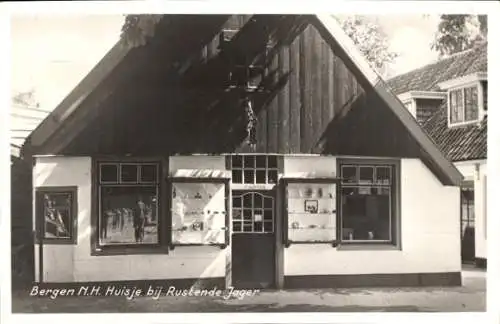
(367, 203)
(128, 203)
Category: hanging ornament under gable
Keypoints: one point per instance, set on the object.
(242, 78)
(251, 122)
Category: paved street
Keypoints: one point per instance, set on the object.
(469, 298)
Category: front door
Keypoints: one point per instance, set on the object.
(253, 239)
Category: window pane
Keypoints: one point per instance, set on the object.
(128, 215)
(268, 214)
(268, 227)
(365, 216)
(383, 175)
(237, 202)
(272, 162)
(249, 176)
(247, 200)
(349, 174)
(366, 174)
(485, 95)
(109, 172)
(273, 176)
(261, 176)
(237, 226)
(236, 213)
(258, 201)
(237, 161)
(460, 105)
(471, 103)
(257, 227)
(249, 162)
(198, 213)
(237, 176)
(247, 227)
(129, 173)
(59, 199)
(247, 214)
(261, 161)
(149, 173)
(57, 215)
(454, 107)
(268, 202)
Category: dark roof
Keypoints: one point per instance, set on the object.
(59, 119)
(460, 143)
(429, 76)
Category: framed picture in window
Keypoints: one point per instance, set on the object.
(311, 206)
(56, 215)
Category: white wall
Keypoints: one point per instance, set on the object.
(430, 235)
(430, 232)
(476, 171)
(79, 265)
(304, 163)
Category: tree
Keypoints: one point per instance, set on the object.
(370, 40)
(367, 35)
(26, 99)
(137, 28)
(457, 33)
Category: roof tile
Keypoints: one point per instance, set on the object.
(462, 143)
(428, 77)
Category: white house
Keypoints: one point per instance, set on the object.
(254, 151)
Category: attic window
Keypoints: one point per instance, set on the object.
(466, 99)
(463, 105)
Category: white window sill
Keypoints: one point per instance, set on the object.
(368, 247)
(472, 122)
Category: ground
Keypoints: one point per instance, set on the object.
(470, 297)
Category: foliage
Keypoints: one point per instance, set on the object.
(369, 37)
(138, 28)
(370, 40)
(457, 33)
(26, 99)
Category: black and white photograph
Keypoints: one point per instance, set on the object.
(329, 162)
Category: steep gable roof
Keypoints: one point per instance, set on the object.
(335, 37)
(468, 142)
(429, 76)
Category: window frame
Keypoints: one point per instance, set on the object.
(485, 206)
(254, 169)
(395, 203)
(411, 105)
(467, 220)
(480, 104)
(40, 219)
(285, 182)
(99, 249)
(227, 197)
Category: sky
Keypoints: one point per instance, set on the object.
(51, 54)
